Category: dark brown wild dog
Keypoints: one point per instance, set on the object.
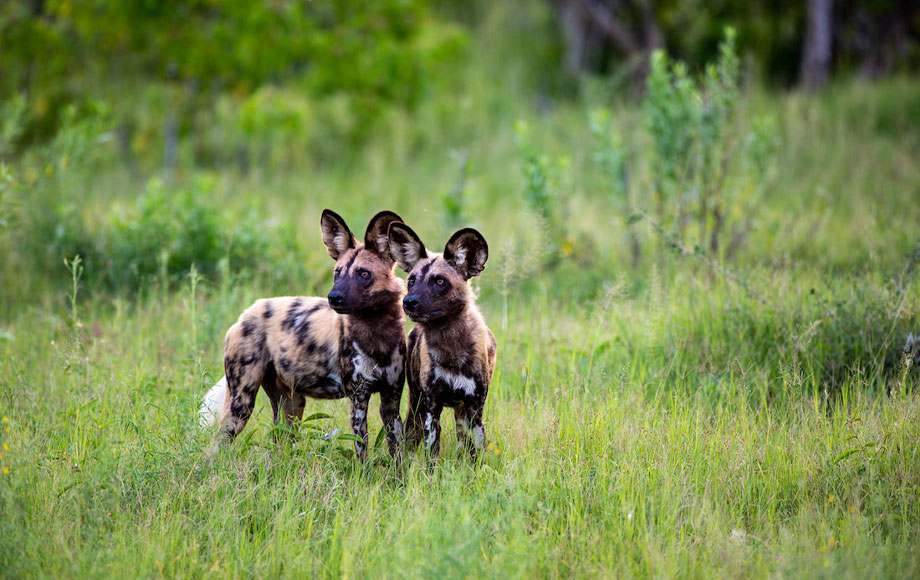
(350, 344)
(451, 350)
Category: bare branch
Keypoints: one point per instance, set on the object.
(615, 30)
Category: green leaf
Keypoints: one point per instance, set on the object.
(381, 436)
(316, 416)
(844, 455)
(348, 437)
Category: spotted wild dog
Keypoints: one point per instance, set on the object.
(451, 350)
(349, 344)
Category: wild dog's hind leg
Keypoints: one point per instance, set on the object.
(244, 365)
(293, 408)
(274, 391)
(389, 413)
(284, 405)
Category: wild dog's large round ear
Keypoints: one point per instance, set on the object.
(405, 246)
(376, 239)
(336, 235)
(467, 251)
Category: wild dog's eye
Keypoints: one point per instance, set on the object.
(337, 272)
(411, 281)
(364, 273)
(439, 281)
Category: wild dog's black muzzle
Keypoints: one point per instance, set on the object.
(336, 298)
(410, 303)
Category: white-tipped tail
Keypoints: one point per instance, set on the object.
(213, 403)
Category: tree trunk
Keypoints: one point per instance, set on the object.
(816, 52)
(593, 27)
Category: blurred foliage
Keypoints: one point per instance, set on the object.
(711, 166)
(544, 194)
(154, 236)
(59, 52)
(233, 82)
(869, 37)
(168, 231)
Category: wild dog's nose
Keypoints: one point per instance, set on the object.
(336, 298)
(410, 303)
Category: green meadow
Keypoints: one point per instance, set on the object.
(663, 406)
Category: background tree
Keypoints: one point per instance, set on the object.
(785, 41)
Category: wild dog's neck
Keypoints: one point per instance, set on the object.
(453, 332)
(378, 331)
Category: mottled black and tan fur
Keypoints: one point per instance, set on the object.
(451, 350)
(349, 344)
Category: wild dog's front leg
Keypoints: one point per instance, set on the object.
(359, 400)
(392, 424)
(431, 417)
(477, 432)
(462, 421)
(470, 431)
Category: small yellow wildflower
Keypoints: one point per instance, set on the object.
(5, 447)
(6, 419)
(6, 469)
(568, 246)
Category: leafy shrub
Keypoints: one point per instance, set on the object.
(40, 223)
(544, 195)
(165, 231)
(709, 168)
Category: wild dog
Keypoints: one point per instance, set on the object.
(451, 350)
(349, 344)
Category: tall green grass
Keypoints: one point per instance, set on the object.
(652, 421)
(651, 454)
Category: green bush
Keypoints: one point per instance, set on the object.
(710, 168)
(166, 230)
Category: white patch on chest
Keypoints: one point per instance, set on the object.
(366, 369)
(457, 382)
